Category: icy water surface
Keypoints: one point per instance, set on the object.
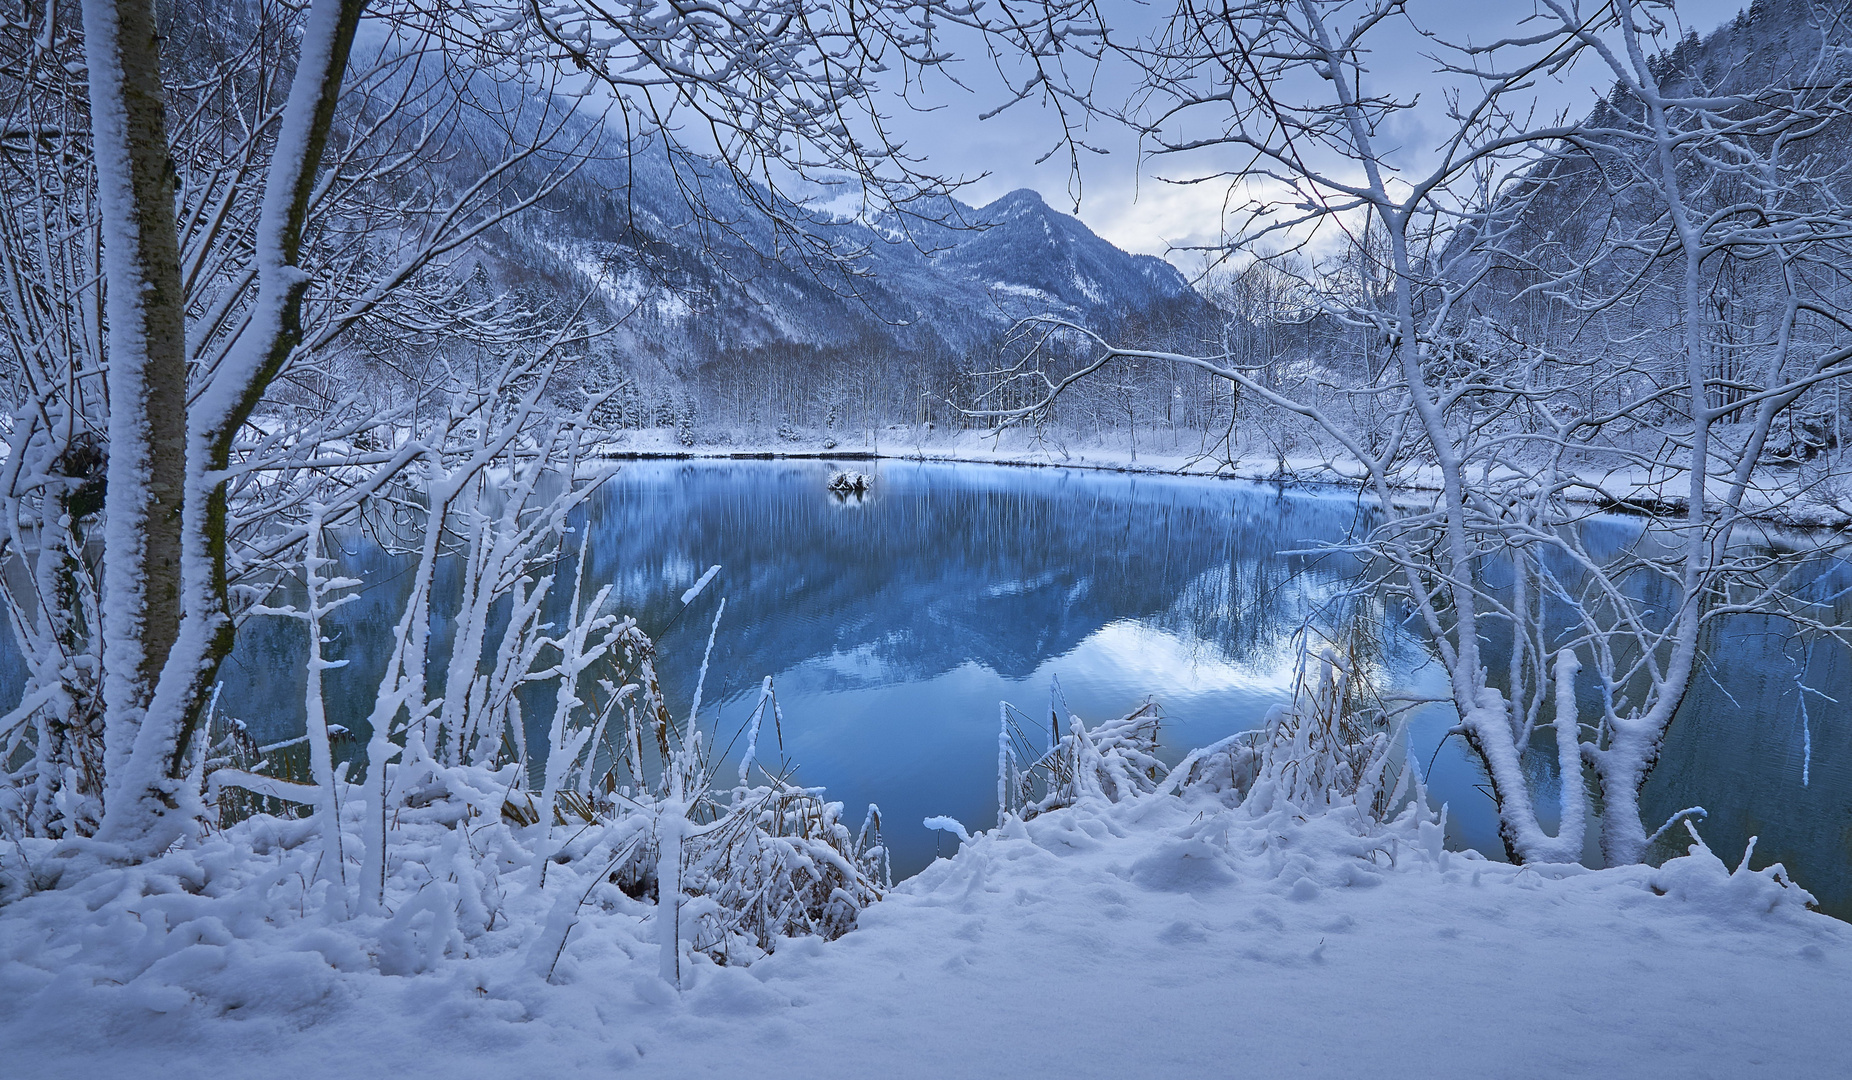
(894, 625)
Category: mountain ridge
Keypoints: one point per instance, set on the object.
(950, 278)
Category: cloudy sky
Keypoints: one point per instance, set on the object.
(1121, 198)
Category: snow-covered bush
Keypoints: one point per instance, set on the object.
(1114, 761)
(747, 865)
(1324, 751)
(625, 793)
(1702, 879)
(456, 836)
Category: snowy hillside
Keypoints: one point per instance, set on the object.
(955, 275)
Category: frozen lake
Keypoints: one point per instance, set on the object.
(893, 626)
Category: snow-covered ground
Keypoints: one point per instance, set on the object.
(1163, 936)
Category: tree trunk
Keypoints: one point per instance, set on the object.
(238, 386)
(147, 379)
(166, 594)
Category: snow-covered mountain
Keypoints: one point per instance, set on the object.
(1021, 256)
(689, 287)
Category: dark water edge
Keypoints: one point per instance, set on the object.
(894, 624)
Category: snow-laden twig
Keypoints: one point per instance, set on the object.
(694, 711)
(751, 752)
(689, 594)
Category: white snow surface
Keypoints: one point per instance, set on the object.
(1162, 936)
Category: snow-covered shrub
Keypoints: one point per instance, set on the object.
(1114, 761)
(1324, 751)
(778, 862)
(751, 864)
(1702, 879)
(456, 836)
(629, 792)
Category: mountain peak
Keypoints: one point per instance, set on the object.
(1020, 201)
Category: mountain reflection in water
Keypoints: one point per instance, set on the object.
(893, 625)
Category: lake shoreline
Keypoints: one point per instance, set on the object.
(1640, 499)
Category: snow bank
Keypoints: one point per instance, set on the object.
(1163, 935)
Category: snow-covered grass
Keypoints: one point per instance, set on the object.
(1200, 924)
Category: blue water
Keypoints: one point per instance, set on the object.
(893, 626)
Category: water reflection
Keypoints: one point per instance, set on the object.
(893, 624)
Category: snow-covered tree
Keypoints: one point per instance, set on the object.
(1511, 365)
(217, 214)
